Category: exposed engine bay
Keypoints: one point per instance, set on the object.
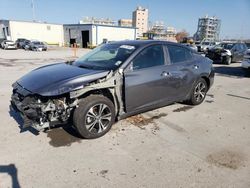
(42, 112)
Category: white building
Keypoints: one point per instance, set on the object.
(93, 34)
(140, 20)
(46, 32)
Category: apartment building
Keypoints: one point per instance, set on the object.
(208, 29)
(140, 20)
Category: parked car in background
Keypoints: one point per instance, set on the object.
(205, 45)
(20, 43)
(36, 46)
(192, 46)
(227, 52)
(25, 43)
(8, 44)
(246, 60)
(113, 81)
(248, 45)
(1, 40)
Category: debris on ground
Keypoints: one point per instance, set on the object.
(141, 121)
(183, 109)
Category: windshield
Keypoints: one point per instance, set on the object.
(106, 57)
(227, 46)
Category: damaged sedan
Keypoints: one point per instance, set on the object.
(111, 82)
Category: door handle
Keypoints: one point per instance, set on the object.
(166, 74)
(196, 67)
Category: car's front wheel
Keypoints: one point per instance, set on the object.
(94, 116)
(227, 60)
(199, 92)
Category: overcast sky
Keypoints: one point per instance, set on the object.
(181, 14)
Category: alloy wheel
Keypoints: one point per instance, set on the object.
(200, 91)
(98, 118)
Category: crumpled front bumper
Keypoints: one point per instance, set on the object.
(28, 114)
(23, 103)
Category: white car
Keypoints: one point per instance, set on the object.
(205, 45)
(246, 61)
(8, 44)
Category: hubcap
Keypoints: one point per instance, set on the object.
(200, 91)
(98, 118)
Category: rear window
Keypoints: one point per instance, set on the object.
(37, 43)
(205, 43)
(178, 54)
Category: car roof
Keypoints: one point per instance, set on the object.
(140, 43)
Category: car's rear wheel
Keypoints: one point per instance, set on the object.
(199, 92)
(94, 117)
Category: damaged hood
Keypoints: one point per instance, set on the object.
(57, 79)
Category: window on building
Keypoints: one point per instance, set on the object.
(4, 33)
(178, 54)
(149, 57)
(7, 31)
(48, 27)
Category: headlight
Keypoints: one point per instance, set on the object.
(63, 90)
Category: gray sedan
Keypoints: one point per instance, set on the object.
(112, 82)
(35, 46)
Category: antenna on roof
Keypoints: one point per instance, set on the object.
(33, 10)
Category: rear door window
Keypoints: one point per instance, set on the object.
(149, 57)
(178, 54)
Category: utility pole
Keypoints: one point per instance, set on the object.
(33, 10)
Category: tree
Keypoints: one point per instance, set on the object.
(181, 35)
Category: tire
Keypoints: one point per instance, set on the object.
(228, 60)
(88, 120)
(197, 97)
